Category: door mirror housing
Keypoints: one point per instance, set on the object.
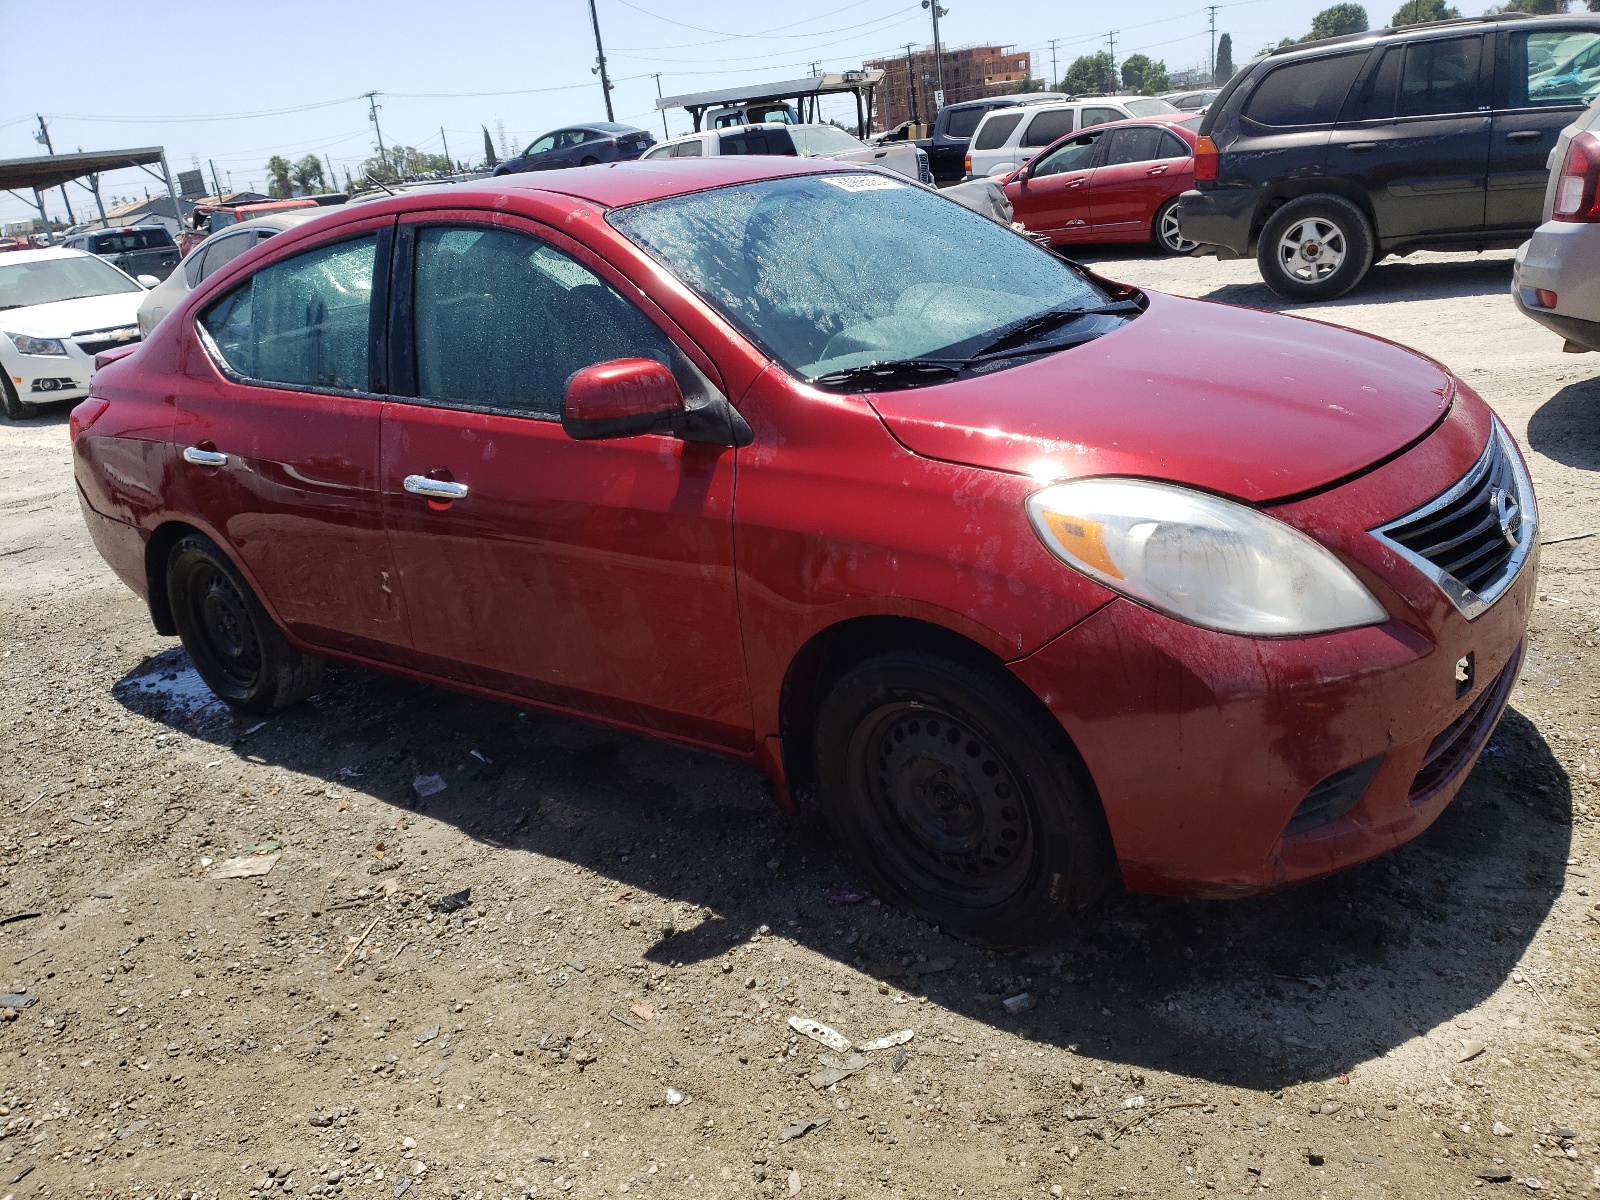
(1024, 173)
(622, 398)
(148, 281)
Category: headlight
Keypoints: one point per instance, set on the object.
(1207, 561)
(33, 345)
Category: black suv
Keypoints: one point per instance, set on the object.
(1323, 158)
(139, 250)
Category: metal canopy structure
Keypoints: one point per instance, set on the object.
(804, 92)
(57, 170)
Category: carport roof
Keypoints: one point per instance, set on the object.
(52, 170)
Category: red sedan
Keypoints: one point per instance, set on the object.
(1118, 182)
(1028, 577)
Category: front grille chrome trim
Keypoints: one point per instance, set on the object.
(1499, 459)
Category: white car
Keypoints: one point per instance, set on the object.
(806, 141)
(1556, 280)
(1008, 137)
(58, 309)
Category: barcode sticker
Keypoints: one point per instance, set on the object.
(864, 182)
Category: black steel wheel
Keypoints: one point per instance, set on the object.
(961, 796)
(230, 638)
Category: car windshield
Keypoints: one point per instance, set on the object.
(48, 280)
(823, 139)
(831, 272)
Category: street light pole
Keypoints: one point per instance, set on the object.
(600, 60)
(372, 101)
(1213, 11)
(1055, 71)
(938, 52)
(657, 77)
(43, 136)
(911, 86)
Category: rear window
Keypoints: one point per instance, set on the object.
(963, 121)
(1304, 93)
(1147, 106)
(1046, 127)
(995, 131)
(758, 141)
(130, 240)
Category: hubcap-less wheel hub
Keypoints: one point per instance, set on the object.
(946, 806)
(1311, 250)
(228, 631)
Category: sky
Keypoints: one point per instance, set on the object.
(234, 84)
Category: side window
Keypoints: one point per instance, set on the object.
(544, 144)
(1076, 155)
(688, 149)
(1046, 127)
(1304, 93)
(658, 152)
(503, 320)
(963, 121)
(194, 266)
(992, 134)
(1173, 146)
(1556, 67)
(301, 321)
(1099, 116)
(1140, 143)
(1441, 77)
(1374, 101)
(225, 251)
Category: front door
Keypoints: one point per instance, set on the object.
(1547, 77)
(277, 429)
(1054, 198)
(589, 575)
(1134, 176)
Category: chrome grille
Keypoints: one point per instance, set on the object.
(112, 343)
(1473, 539)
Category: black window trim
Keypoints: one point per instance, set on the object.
(377, 323)
(1261, 128)
(401, 324)
(1500, 91)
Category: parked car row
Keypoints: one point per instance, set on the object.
(138, 250)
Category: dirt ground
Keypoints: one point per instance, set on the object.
(606, 1013)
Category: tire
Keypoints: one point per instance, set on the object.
(16, 410)
(1315, 248)
(956, 795)
(233, 643)
(1164, 230)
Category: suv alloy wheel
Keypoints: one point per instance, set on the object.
(1315, 248)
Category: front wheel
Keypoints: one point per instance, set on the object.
(233, 643)
(1315, 248)
(1165, 232)
(957, 795)
(16, 410)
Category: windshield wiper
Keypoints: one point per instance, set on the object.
(1029, 328)
(896, 372)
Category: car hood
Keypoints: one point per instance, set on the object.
(65, 318)
(1244, 403)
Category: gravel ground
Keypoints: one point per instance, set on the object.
(606, 1012)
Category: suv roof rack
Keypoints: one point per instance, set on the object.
(1370, 34)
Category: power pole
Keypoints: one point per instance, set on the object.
(911, 86)
(215, 186)
(938, 52)
(1213, 11)
(446, 142)
(1054, 70)
(43, 138)
(372, 115)
(657, 77)
(600, 60)
(1112, 38)
(333, 178)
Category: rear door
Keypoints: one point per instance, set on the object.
(1132, 179)
(1054, 198)
(595, 575)
(1545, 77)
(1285, 121)
(277, 426)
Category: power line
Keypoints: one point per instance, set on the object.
(770, 33)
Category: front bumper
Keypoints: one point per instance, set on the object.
(1562, 257)
(47, 378)
(1218, 220)
(1204, 746)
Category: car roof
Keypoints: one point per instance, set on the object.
(1395, 33)
(287, 219)
(22, 256)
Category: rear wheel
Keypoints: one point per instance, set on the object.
(1164, 230)
(16, 410)
(956, 795)
(233, 643)
(1315, 248)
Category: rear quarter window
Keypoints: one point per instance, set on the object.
(963, 121)
(1046, 127)
(995, 131)
(1310, 92)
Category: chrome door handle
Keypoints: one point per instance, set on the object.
(434, 489)
(1524, 135)
(1156, 171)
(204, 458)
(1361, 147)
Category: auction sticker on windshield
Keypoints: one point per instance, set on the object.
(863, 183)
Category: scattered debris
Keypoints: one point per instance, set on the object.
(428, 785)
(818, 1032)
(674, 1096)
(247, 866)
(1133, 1102)
(1500, 1129)
(480, 756)
(1495, 1175)
(1470, 1050)
(427, 1035)
(801, 1128)
(643, 1011)
(1020, 1003)
(21, 916)
(1369, 1160)
(794, 1182)
(932, 967)
(835, 1069)
(356, 945)
(843, 896)
(898, 1038)
(17, 1000)
(451, 903)
(100, 895)
(628, 1021)
(1154, 1112)
(899, 1061)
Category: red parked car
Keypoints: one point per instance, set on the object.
(1117, 182)
(1029, 578)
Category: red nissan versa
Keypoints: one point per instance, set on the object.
(1028, 577)
(1114, 183)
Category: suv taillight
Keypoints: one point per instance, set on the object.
(968, 167)
(1205, 158)
(1576, 190)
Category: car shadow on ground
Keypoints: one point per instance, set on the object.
(1566, 427)
(1262, 992)
(48, 416)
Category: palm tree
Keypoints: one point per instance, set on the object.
(307, 175)
(278, 170)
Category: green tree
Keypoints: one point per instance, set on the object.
(279, 187)
(1538, 8)
(307, 175)
(1140, 74)
(1336, 21)
(1089, 74)
(1222, 71)
(1029, 84)
(489, 160)
(1415, 12)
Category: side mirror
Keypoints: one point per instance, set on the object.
(1024, 173)
(622, 398)
(148, 281)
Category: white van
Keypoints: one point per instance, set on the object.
(1008, 137)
